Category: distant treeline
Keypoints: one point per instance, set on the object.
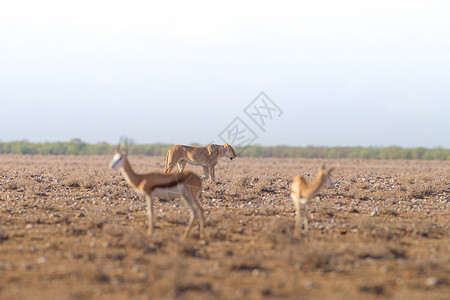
(78, 147)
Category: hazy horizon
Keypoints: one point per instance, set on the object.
(342, 73)
(132, 141)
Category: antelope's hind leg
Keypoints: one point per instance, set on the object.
(196, 212)
(201, 217)
(297, 225)
(305, 220)
(193, 212)
(150, 224)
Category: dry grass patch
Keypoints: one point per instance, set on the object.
(279, 231)
(312, 256)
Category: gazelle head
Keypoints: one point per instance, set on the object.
(119, 156)
(229, 152)
(325, 175)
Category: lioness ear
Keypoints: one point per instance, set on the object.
(226, 145)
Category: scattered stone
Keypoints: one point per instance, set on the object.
(136, 269)
(431, 281)
(42, 260)
(309, 284)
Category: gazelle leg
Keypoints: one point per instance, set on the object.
(188, 202)
(193, 216)
(305, 221)
(150, 215)
(201, 217)
(297, 218)
(190, 224)
(196, 212)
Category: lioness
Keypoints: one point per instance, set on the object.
(207, 157)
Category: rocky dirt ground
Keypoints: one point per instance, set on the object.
(70, 228)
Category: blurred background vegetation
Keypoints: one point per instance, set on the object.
(78, 147)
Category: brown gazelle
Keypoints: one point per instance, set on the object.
(302, 193)
(186, 185)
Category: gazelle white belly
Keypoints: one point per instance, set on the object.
(169, 193)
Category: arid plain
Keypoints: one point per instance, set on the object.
(70, 228)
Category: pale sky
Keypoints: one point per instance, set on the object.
(342, 73)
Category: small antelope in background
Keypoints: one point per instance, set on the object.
(302, 193)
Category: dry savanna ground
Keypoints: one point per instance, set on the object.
(70, 228)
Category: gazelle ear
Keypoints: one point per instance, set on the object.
(114, 148)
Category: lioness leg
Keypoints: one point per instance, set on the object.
(169, 167)
(206, 172)
(181, 165)
(212, 173)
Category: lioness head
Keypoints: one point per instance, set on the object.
(229, 152)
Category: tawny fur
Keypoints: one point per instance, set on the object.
(207, 157)
(302, 193)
